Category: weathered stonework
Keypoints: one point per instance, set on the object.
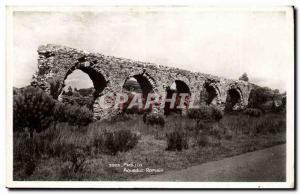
(109, 74)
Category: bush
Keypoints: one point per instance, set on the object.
(177, 140)
(76, 157)
(55, 87)
(254, 112)
(202, 140)
(120, 118)
(74, 164)
(32, 109)
(270, 125)
(77, 115)
(207, 140)
(215, 131)
(112, 142)
(244, 77)
(205, 113)
(59, 113)
(205, 134)
(197, 128)
(261, 97)
(73, 114)
(229, 134)
(154, 119)
(77, 99)
(32, 112)
(217, 113)
(25, 156)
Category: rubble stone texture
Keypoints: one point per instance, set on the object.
(110, 73)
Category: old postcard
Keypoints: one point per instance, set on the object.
(150, 97)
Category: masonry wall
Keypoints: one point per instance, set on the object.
(57, 62)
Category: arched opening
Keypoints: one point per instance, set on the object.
(82, 86)
(145, 84)
(137, 84)
(209, 94)
(180, 90)
(233, 99)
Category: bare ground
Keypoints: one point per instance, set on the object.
(267, 165)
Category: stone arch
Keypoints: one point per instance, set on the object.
(234, 99)
(145, 81)
(56, 62)
(173, 78)
(100, 83)
(210, 94)
(141, 83)
(178, 87)
(97, 77)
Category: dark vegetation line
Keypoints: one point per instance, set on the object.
(59, 140)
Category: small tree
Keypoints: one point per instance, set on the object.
(259, 96)
(32, 109)
(73, 114)
(55, 87)
(244, 77)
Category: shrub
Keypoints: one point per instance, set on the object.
(260, 96)
(207, 140)
(206, 113)
(55, 87)
(177, 140)
(112, 142)
(32, 109)
(74, 164)
(25, 156)
(277, 108)
(77, 115)
(76, 157)
(120, 117)
(229, 134)
(73, 114)
(215, 131)
(244, 77)
(254, 112)
(59, 113)
(217, 113)
(154, 119)
(202, 140)
(30, 166)
(270, 125)
(77, 99)
(197, 128)
(193, 113)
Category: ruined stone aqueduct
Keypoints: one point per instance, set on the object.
(109, 74)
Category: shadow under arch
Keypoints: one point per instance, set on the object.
(143, 84)
(138, 84)
(178, 87)
(210, 94)
(233, 99)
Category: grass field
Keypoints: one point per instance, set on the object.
(234, 134)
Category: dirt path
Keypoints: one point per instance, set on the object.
(262, 165)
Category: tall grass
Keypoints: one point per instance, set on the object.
(198, 139)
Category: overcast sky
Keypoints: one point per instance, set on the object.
(223, 43)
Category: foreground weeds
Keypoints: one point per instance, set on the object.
(105, 150)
